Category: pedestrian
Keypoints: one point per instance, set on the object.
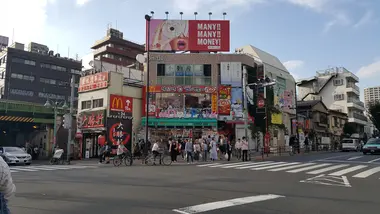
(173, 149)
(213, 150)
(101, 153)
(7, 188)
(189, 151)
(238, 149)
(229, 150)
(205, 149)
(244, 148)
(197, 150)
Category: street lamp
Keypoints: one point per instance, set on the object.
(55, 105)
(148, 18)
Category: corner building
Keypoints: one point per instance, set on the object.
(187, 99)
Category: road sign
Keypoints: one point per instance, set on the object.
(261, 103)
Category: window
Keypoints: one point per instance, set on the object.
(21, 92)
(23, 61)
(48, 81)
(86, 104)
(183, 74)
(339, 97)
(97, 103)
(51, 96)
(338, 82)
(53, 67)
(74, 71)
(22, 77)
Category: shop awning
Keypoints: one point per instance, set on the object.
(174, 122)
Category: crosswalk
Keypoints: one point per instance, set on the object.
(37, 168)
(311, 168)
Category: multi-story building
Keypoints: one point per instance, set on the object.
(36, 76)
(194, 95)
(371, 94)
(337, 88)
(116, 50)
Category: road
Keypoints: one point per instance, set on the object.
(297, 185)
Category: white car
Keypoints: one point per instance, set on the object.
(15, 155)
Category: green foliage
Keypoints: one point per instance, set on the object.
(374, 114)
(349, 129)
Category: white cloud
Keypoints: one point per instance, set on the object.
(366, 18)
(369, 71)
(82, 2)
(293, 66)
(317, 5)
(27, 19)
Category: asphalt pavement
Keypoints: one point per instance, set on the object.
(316, 183)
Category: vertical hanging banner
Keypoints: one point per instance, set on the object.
(120, 132)
(231, 74)
(224, 103)
(214, 103)
(237, 103)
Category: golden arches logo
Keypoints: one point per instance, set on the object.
(117, 103)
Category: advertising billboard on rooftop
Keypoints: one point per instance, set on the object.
(188, 35)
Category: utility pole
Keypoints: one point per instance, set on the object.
(72, 84)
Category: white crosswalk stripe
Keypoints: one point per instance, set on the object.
(37, 168)
(310, 168)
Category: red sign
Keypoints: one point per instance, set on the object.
(92, 119)
(188, 35)
(182, 89)
(121, 103)
(93, 82)
(224, 101)
(261, 103)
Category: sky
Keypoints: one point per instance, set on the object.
(306, 35)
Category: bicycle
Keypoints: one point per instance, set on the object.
(165, 159)
(126, 157)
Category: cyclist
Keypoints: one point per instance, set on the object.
(155, 151)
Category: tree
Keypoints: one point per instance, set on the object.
(373, 113)
(349, 129)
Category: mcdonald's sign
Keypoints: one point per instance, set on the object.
(120, 103)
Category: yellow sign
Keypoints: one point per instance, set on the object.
(277, 118)
(214, 103)
(117, 103)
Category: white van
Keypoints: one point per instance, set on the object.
(350, 144)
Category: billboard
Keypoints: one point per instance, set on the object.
(93, 82)
(231, 73)
(188, 35)
(121, 106)
(237, 103)
(182, 89)
(224, 104)
(91, 119)
(120, 132)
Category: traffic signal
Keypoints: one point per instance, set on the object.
(67, 121)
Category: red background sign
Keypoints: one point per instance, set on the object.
(261, 103)
(121, 103)
(182, 89)
(92, 119)
(224, 103)
(93, 82)
(189, 35)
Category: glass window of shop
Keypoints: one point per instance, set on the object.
(165, 101)
(183, 74)
(201, 103)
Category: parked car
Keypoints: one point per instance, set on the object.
(351, 144)
(372, 146)
(15, 155)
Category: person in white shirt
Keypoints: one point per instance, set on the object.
(244, 148)
(155, 151)
(7, 188)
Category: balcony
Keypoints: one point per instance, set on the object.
(351, 87)
(354, 103)
(354, 117)
(348, 74)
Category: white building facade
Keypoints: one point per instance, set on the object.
(337, 88)
(371, 94)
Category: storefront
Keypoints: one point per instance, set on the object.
(92, 124)
(182, 111)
